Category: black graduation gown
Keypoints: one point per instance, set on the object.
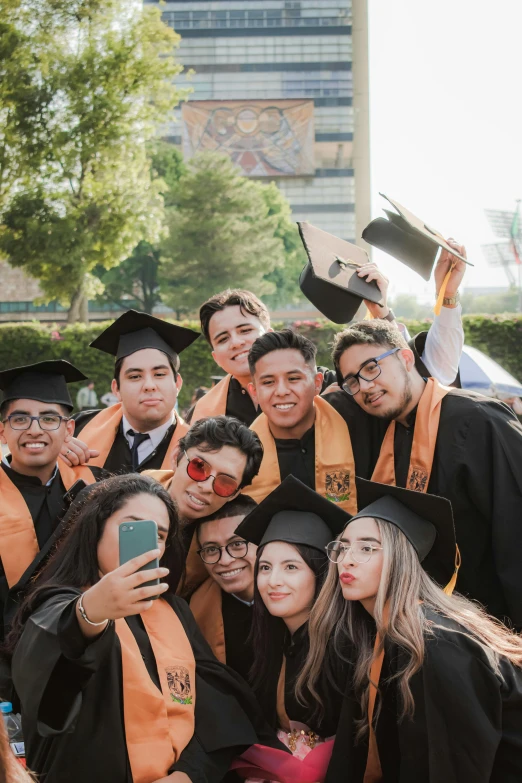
(119, 458)
(478, 466)
(72, 700)
(237, 622)
(47, 506)
(467, 725)
(295, 649)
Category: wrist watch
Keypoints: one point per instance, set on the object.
(390, 316)
(451, 300)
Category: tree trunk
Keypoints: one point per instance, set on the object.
(78, 309)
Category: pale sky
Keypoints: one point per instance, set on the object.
(446, 119)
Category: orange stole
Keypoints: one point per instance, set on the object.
(158, 724)
(100, 432)
(18, 542)
(206, 606)
(424, 442)
(214, 402)
(373, 771)
(334, 462)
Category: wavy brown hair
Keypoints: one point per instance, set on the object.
(406, 591)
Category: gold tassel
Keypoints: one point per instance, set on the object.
(450, 587)
(440, 298)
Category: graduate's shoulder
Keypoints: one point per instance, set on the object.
(82, 418)
(460, 403)
(451, 648)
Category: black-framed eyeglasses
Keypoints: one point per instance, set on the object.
(212, 554)
(361, 551)
(46, 422)
(371, 369)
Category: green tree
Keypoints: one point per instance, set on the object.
(220, 234)
(135, 281)
(285, 278)
(408, 306)
(101, 73)
(504, 302)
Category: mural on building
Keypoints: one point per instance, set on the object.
(265, 138)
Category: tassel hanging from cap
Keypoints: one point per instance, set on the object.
(442, 292)
(450, 587)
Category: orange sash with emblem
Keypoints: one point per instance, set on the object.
(424, 442)
(99, 433)
(158, 724)
(214, 402)
(206, 605)
(18, 542)
(334, 462)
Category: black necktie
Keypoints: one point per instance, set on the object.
(139, 437)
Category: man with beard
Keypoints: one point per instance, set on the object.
(448, 442)
(232, 320)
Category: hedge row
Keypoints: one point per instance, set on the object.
(24, 343)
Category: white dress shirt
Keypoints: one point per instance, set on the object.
(444, 344)
(146, 448)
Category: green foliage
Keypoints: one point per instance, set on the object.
(135, 282)
(285, 279)
(505, 302)
(220, 235)
(23, 343)
(95, 81)
(408, 306)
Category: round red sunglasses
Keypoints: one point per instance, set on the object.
(199, 469)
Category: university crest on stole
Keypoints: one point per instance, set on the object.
(338, 486)
(178, 680)
(418, 480)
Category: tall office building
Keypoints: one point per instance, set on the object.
(274, 88)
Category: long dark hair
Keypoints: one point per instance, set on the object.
(74, 562)
(268, 632)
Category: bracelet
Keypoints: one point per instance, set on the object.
(84, 615)
(390, 316)
(451, 300)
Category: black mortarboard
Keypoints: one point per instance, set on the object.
(330, 280)
(408, 239)
(425, 520)
(43, 381)
(294, 513)
(134, 331)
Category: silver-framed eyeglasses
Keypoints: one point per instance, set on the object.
(361, 551)
(47, 422)
(370, 370)
(212, 554)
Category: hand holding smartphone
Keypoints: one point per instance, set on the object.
(137, 538)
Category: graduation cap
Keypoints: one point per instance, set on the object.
(134, 331)
(425, 520)
(296, 514)
(408, 239)
(330, 280)
(43, 381)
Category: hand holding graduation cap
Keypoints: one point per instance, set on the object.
(371, 272)
(444, 264)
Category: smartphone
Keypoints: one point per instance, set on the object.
(136, 538)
